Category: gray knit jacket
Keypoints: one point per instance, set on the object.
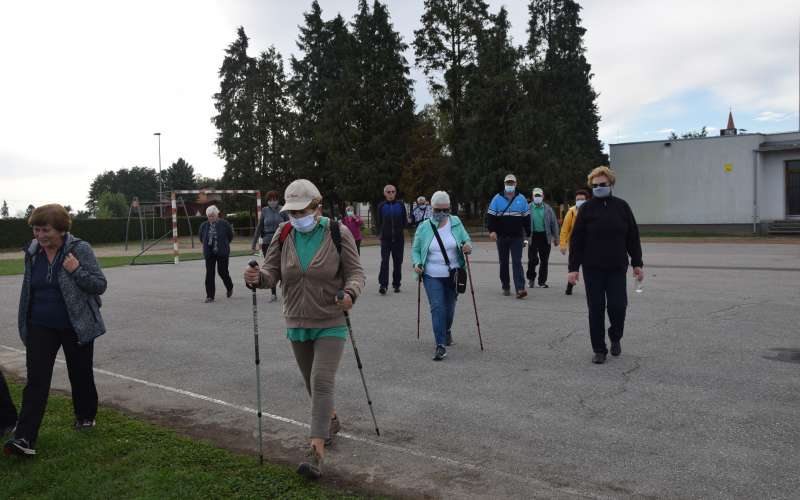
(81, 290)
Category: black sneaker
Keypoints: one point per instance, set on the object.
(448, 339)
(599, 358)
(440, 354)
(506, 292)
(229, 292)
(531, 284)
(19, 447)
(382, 291)
(397, 289)
(84, 423)
(209, 300)
(616, 348)
(334, 429)
(543, 285)
(311, 467)
(569, 289)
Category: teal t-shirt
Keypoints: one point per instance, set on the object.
(537, 214)
(307, 245)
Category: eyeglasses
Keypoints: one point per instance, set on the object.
(390, 192)
(600, 185)
(441, 210)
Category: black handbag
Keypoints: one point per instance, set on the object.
(457, 275)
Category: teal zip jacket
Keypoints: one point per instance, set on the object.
(424, 236)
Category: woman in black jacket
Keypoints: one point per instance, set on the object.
(216, 235)
(605, 235)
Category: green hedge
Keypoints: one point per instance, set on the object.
(15, 233)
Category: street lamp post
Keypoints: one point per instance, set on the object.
(160, 188)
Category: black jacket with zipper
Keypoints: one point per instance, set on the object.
(605, 234)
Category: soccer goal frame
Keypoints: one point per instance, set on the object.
(174, 206)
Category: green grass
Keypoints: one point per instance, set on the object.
(127, 458)
(10, 267)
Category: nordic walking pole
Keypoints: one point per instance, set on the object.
(419, 292)
(474, 304)
(254, 265)
(340, 296)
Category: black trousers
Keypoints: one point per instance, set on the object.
(395, 249)
(605, 289)
(538, 255)
(42, 347)
(8, 412)
(221, 263)
(358, 246)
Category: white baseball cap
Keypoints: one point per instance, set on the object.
(510, 178)
(299, 194)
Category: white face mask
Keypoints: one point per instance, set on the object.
(510, 188)
(303, 224)
(538, 200)
(578, 203)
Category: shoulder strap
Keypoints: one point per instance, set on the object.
(441, 244)
(285, 230)
(336, 236)
(509, 205)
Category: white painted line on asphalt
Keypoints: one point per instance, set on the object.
(352, 437)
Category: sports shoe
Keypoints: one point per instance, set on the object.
(599, 358)
(19, 447)
(397, 289)
(448, 339)
(334, 429)
(616, 348)
(521, 294)
(209, 300)
(531, 284)
(229, 292)
(311, 467)
(84, 423)
(569, 289)
(273, 298)
(543, 285)
(506, 292)
(440, 354)
(382, 291)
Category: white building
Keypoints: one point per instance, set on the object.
(732, 183)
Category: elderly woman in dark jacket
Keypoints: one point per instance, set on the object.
(59, 307)
(216, 235)
(604, 237)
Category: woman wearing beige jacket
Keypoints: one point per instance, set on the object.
(303, 256)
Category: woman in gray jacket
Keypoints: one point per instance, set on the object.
(271, 218)
(59, 307)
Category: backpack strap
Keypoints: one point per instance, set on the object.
(336, 236)
(285, 230)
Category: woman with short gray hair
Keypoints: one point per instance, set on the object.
(438, 251)
(216, 235)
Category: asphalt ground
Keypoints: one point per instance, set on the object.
(703, 403)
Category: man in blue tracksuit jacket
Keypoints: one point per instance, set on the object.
(391, 221)
(509, 222)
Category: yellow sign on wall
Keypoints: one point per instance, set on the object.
(728, 167)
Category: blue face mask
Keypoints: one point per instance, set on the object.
(438, 217)
(510, 188)
(601, 192)
(303, 224)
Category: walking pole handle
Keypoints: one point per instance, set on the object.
(254, 264)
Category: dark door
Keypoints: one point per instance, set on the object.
(793, 188)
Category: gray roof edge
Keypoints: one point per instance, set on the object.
(715, 137)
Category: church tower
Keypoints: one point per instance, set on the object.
(731, 128)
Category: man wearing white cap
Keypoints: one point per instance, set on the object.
(509, 222)
(544, 232)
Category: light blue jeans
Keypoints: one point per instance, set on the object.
(442, 298)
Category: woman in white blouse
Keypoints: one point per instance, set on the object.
(435, 261)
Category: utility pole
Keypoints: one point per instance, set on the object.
(160, 187)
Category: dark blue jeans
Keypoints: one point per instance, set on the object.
(442, 298)
(514, 247)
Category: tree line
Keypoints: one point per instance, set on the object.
(344, 117)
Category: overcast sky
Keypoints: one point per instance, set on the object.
(85, 84)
